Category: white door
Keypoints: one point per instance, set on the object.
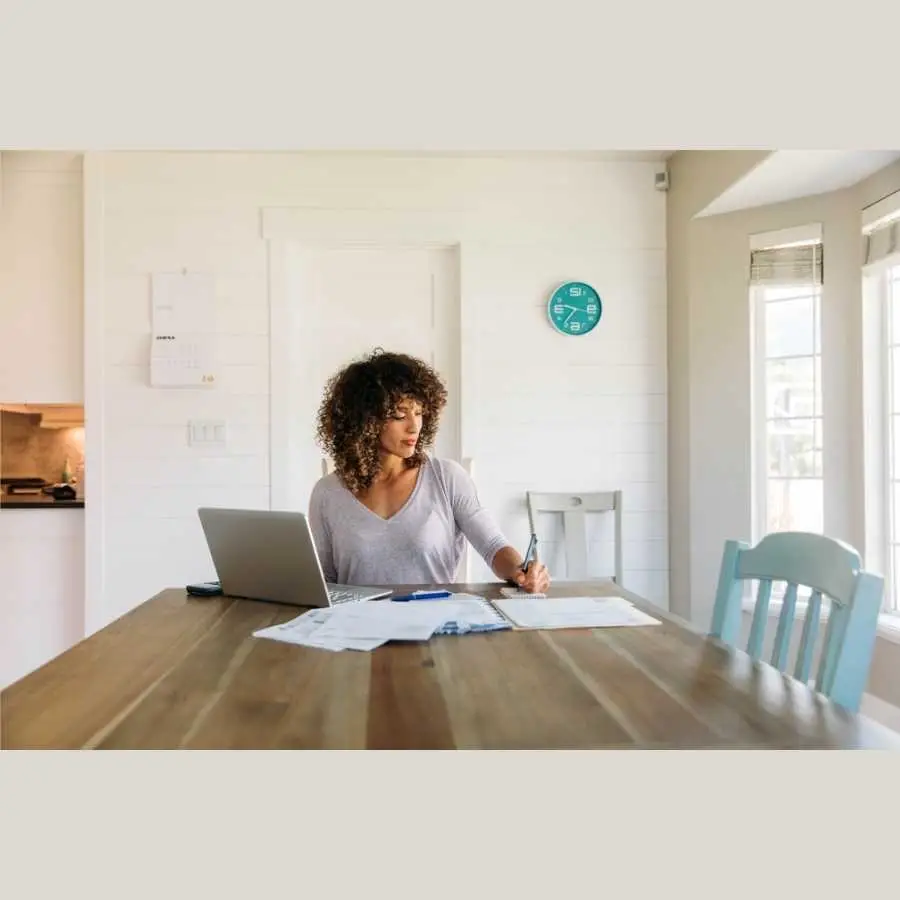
(344, 302)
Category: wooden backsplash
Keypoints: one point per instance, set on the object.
(28, 450)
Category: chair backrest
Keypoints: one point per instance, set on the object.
(574, 508)
(830, 569)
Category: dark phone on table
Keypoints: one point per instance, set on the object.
(205, 589)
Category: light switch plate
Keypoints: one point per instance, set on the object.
(207, 433)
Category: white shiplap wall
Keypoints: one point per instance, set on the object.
(551, 413)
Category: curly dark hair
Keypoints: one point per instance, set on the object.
(360, 398)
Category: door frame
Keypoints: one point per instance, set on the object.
(346, 229)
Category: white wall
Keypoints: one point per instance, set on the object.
(711, 301)
(41, 310)
(551, 412)
(696, 178)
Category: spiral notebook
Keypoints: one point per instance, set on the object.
(469, 614)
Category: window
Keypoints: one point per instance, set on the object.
(786, 293)
(881, 384)
(891, 389)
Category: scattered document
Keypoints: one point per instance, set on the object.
(303, 631)
(366, 626)
(573, 612)
(383, 620)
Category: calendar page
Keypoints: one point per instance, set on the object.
(182, 361)
(183, 343)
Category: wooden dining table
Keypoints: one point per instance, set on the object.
(186, 672)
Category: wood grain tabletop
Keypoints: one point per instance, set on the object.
(185, 672)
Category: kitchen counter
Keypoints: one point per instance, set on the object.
(37, 501)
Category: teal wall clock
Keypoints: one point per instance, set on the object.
(574, 308)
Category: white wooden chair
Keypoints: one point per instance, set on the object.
(574, 508)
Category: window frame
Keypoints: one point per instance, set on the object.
(761, 422)
(882, 513)
(888, 273)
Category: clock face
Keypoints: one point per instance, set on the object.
(574, 308)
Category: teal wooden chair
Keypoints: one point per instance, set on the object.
(830, 569)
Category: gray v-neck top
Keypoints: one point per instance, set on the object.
(422, 543)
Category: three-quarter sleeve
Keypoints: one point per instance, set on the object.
(473, 519)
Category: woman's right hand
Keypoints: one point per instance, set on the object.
(536, 580)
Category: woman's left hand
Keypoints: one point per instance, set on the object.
(536, 580)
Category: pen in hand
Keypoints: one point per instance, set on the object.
(530, 553)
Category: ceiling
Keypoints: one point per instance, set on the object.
(789, 174)
(589, 155)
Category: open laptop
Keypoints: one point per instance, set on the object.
(271, 555)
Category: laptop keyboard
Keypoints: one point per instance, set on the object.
(343, 596)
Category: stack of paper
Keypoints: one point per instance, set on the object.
(359, 626)
(365, 626)
(383, 621)
(304, 631)
(573, 612)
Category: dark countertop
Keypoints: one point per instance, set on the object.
(37, 501)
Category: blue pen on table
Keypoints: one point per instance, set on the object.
(423, 595)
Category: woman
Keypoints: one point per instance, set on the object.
(389, 513)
